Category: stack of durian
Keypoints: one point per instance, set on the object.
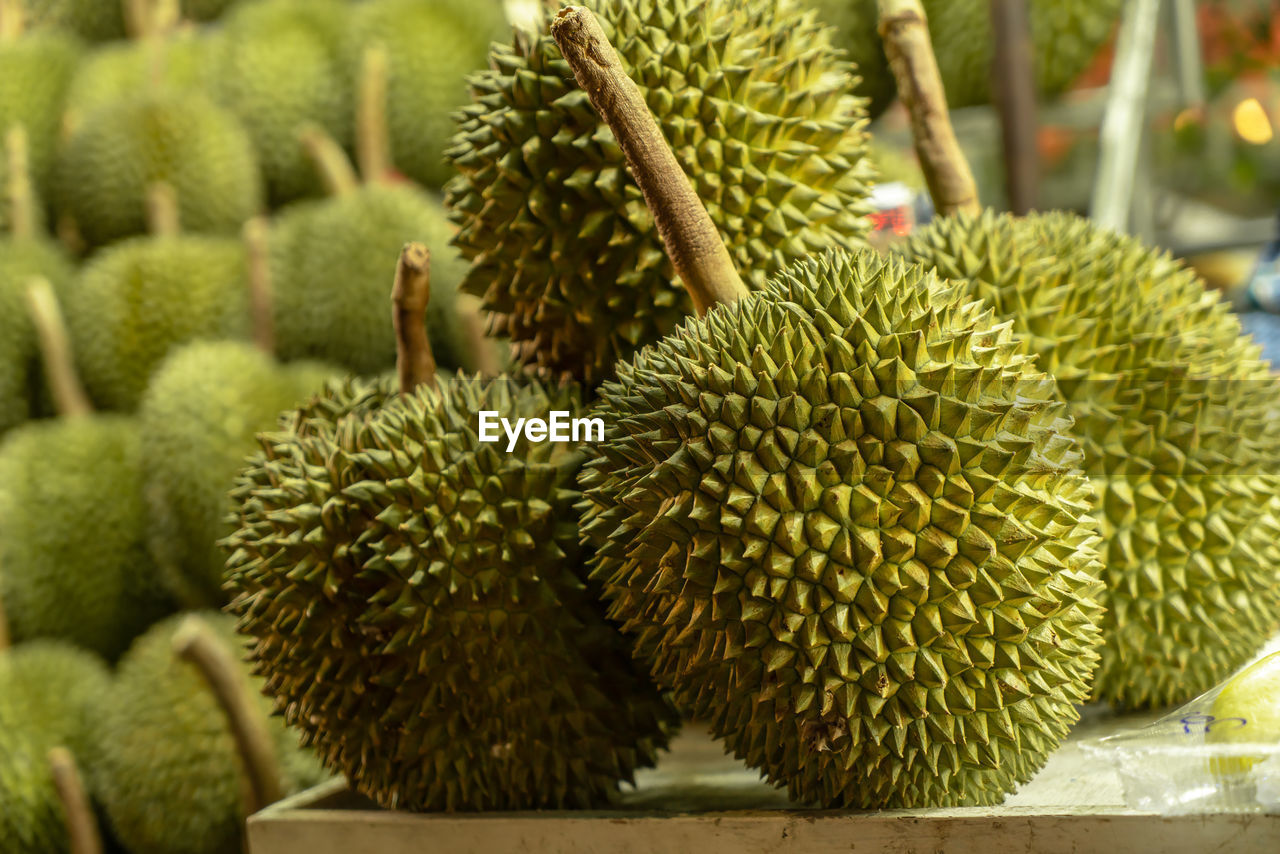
(881, 523)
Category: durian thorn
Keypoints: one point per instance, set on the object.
(330, 160)
(373, 140)
(22, 197)
(164, 217)
(12, 20)
(196, 644)
(410, 295)
(483, 348)
(55, 350)
(82, 826)
(904, 29)
(261, 301)
(693, 243)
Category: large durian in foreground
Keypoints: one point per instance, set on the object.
(758, 106)
(843, 516)
(1177, 416)
(417, 602)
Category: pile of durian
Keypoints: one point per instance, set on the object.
(882, 523)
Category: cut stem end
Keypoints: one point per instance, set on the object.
(415, 363)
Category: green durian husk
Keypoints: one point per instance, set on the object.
(844, 518)
(198, 421)
(93, 20)
(440, 581)
(35, 73)
(167, 769)
(1176, 412)
(176, 64)
(73, 560)
(759, 109)
(21, 375)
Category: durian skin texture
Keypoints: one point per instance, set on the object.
(417, 604)
(844, 519)
(758, 108)
(94, 20)
(198, 422)
(20, 372)
(183, 139)
(138, 300)
(35, 72)
(1176, 414)
(73, 561)
(166, 770)
(121, 70)
(48, 693)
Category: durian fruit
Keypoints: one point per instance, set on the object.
(49, 692)
(1176, 414)
(35, 71)
(331, 259)
(425, 86)
(843, 516)
(73, 561)
(179, 138)
(167, 768)
(140, 299)
(417, 601)
(276, 67)
(198, 419)
(759, 108)
(93, 20)
(24, 253)
(1066, 36)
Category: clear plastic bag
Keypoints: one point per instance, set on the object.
(1218, 753)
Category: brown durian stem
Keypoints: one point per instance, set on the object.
(55, 349)
(693, 243)
(12, 20)
(905, 31)
(410, 295)
(330, 161)
(22, 196)
(373, 139)
(82, 826)
(164, 218)
(261, 302)
(196, 643)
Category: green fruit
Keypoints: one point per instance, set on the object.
(857, 31)
(35, 72)
(138, 300)
(277, 69)
(176, 64)
(20, 373)
(1176, 414)
(167, 771)
(333, 263)
(73, 561)
(95, 20)
(424, 86)
(757, 106)
(199, 418)
(184, 140)
(418, 604)
(845, 520)
(49, 694)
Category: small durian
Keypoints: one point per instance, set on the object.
(73, 559)
(417, 598)
(759, 108)
(424, 87)
(276, 66)
(1176, 411)
(25, 253)
(843, 516)
(169, 768)
(138, 300)
(180, 138)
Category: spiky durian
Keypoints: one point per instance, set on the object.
(1176, 413)
(166, 767)
(35, 71)
(199, 416)
(95, 20)
(49, 693)
(845, 520)
(1066, 35)
(175, 62)
(182, 139)
(276, 67)
(445, 585)
(758, 107)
